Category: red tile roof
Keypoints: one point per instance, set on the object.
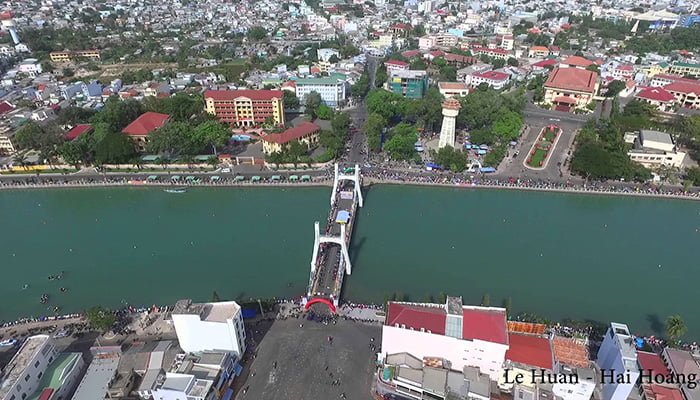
(545, 63)
(411, 53)
(398, 63)
(291, 84)
(6, 107)
(577, 61)
(453, 85)
(572, 79)
(298, 132)
(683, 87)
(460, 58)
(564, 99)
(484, 324)
(492, 75)
(529, 350)
(437, 53)
(658, 392)
(76, 131)
(417, 317)
(656, 94)
(653, 362)
(145, 124)
(477, 323)
(250, 94)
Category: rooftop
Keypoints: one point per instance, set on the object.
(492, 75)
(56, 373)
(570, 352)
(529, 350)
(656, 94)
(332, 79)
(77, 130)
(572, 79)
(653, 362)
(213, 312)
(304, 129)
(576, 61)
(481, 323)
(249, 94)
(453, 86)
(20, 361)
(96, 381)
(409, 74)
(655, 136)
(146, 123)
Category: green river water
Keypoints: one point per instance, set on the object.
(632, 260)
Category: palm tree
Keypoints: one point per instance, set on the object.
(675, 327)
(21, 159)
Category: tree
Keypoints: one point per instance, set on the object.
(385, 103)
(74, 115)
(324, 112)
(486, 300)
(448, 157)
(211, 133)
(614, 88)
(257, 33)
(118, 114)
(374, 126)
(45, 138)
(498, 63)
(174, 138)
(290, 100)
(401, 145)
(693, 175)
(114, 148)
(215, 297)
(361, 87)
(100, 318)
(675, 327)
(313, 101)
(512, 62)
(508, 125)
(72, 152)
(594, 68)
(68, 72)
(508, 304)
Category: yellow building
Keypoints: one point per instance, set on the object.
(652, 70)
(306, 133)
(684, 69)
(246, 108)
(68, 56)
(569, 88)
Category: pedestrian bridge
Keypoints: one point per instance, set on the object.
(330, 260)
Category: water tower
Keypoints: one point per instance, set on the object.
(450, 110)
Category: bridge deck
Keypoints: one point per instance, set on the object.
(327, 281)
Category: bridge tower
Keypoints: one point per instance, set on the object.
(355, 177)
(339, 240)
(450, 110)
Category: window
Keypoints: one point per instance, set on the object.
(36, 364)
(39, 376)
(26, 378)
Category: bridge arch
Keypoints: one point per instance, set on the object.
(321, 300)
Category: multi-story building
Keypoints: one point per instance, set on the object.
(100, 373)
(306, 133)
(453, 89)
(38, 370)
(493, 53)
(687, 94)
(684, 363)
(494, 79)
(538, 52)
(139, 129)
(202, 376)
(395, 65)
(658, 97)
(411, 83)
(576, 62)
(245, 108)
(30, 66)
(333, 89)
(617, 356)
(506, 42)
(568, 88)
(463, 335)
(684, 69)
(68, 56)
(654, 149)
(209, 326)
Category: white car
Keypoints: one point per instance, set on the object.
(8, 343)
(226, 170)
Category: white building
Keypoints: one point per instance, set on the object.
(333, 89)
(617, 356)
(453, 89)
(654, 149)
(38, 367)
(494, 79)
(209, 326)
(30, 66)
(463, 335)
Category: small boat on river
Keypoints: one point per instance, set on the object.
(176, 190)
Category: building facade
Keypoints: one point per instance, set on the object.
(654, 149)
(306, 133)
(333, 89)
(568, 88)
(463, 335)
(209, 326)
(411, 83)
(139, 129)
(617, 355)
(245, 108)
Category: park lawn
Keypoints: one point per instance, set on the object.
(39, 171)
(135, 170)
(537, 157)
(549, 135)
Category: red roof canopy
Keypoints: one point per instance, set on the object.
(6, 107)
(577, 61)
(298, 132)
(250, 94)
(492, 75)
(77, 130)
(683, 87)
(477, 323)
(145, 124)
(529, 350)
(653, 362)
(572, 79)
(656, 94)
(397, 63)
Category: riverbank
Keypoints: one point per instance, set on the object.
(370, 181)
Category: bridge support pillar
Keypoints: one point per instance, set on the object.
(317, 243)
(344, 250)
(335, 185)
(358, 188)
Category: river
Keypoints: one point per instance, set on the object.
(628, 259)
